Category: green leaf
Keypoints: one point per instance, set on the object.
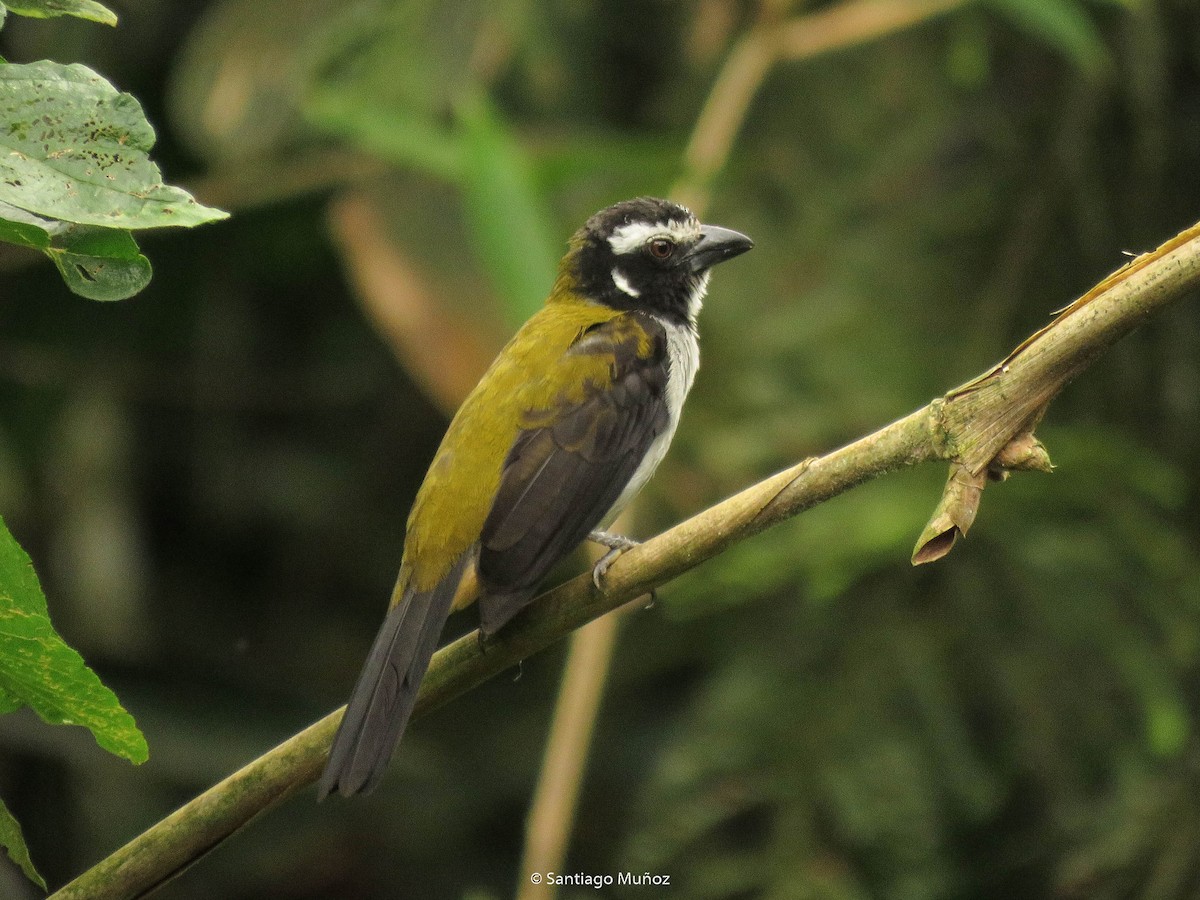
(39, 669)
(97, 263)
(508, 222)
(101, 278)
(14, 842)
(81, 9)
(74, 148)
(24, 228)
(100, 263)
(1063, 24)
(8, 703)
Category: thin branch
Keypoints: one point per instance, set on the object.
(855, 22)
(553, 809)
(769, 41)
(988, 412)
(723, 113)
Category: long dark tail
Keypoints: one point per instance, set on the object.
(386, 690)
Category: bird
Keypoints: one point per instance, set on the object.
(562, 431)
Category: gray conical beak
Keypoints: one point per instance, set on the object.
(716, 245)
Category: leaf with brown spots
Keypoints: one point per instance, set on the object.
(74, 148)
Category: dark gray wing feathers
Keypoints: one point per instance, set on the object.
(561, 478)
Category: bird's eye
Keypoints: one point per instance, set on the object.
(661, 248)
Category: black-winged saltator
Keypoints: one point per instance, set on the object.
(562, 431)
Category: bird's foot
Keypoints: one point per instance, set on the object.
(616, 544)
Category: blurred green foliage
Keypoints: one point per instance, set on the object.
(218, 473)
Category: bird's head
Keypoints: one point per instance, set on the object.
(648, 254)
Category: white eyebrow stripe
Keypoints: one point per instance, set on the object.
(623, 284)
(629, 237)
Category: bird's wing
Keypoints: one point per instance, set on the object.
(572, 459)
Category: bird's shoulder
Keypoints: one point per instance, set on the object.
(587, 340)
(602, 355)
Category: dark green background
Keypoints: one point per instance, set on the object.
(212, 478)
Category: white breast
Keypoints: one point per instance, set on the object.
(683, 355)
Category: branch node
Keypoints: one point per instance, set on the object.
(941, 435)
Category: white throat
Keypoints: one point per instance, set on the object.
(696, 300)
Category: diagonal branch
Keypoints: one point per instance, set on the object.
(972, 427)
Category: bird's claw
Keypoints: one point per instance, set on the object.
(600, 569)
(616, 544)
